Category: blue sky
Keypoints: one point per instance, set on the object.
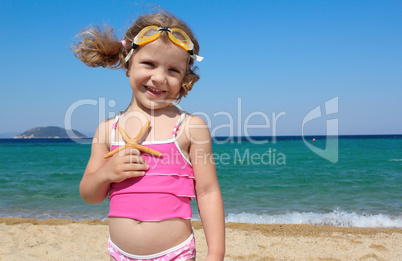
(270, 57)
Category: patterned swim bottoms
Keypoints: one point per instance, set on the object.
(181, 252)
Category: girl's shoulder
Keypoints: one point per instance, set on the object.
(194, 121)
(196, 127)
(104, 131)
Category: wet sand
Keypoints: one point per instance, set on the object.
(64, 239)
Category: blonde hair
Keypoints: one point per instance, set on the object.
(99, 47)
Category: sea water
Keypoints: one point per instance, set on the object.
(264, 180)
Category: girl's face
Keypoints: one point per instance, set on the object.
(156, 72)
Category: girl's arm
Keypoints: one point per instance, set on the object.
(94, 185)
(100, 172)
(209, 198)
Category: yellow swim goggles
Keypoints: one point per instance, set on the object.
(176, 35)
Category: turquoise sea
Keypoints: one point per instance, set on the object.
(278, 181)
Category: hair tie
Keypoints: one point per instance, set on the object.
(123, 42)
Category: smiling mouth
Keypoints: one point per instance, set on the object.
(154, 91)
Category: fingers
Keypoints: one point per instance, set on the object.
(127, 166)
(135, 167)
(126, 171)
(133, 161)
(129, 156)
(128, 163)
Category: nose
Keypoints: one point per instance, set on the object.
(159, 76)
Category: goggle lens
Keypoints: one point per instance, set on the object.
(147, 35)
(180, 38)
(176, 35)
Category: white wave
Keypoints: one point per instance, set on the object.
(338, 218)
(52, 214)
(395, 160)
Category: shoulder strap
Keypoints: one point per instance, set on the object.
(114, 127)
(176, 127)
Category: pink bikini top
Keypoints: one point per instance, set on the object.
(166, 189)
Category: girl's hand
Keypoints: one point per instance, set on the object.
(100, 172)
(128, 163)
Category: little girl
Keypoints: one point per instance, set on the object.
(150, 212)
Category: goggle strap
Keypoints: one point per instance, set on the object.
(164, 28)
(129, 55)
(196, 57)
(133, 46)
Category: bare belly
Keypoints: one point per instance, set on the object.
(146, 238)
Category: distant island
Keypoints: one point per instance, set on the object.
(50, 132)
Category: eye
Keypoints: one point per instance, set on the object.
(174, 70)
(148, 64)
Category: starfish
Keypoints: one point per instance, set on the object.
(133, 143)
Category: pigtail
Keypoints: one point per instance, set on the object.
(99, 47)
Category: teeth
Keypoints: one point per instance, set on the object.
(154, 90)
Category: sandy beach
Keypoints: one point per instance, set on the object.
(63, 239)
